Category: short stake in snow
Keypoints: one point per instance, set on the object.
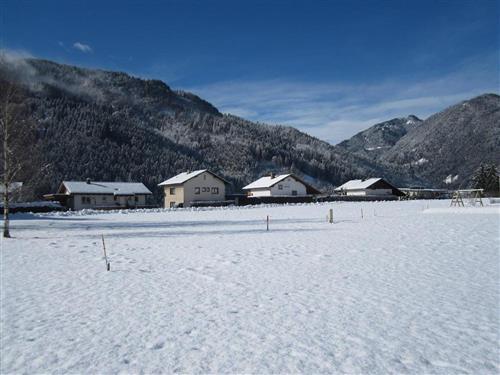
(361, 213)
(108, 265)
(267, 223)
(330, 216)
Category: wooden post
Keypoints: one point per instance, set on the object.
(267, 223)
(108, 265)
(330, 216)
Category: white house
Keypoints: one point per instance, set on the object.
(280, 185)
(188, 188)
(78, 195)
(369, 187)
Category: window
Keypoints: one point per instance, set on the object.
(197, 190)
(294, 192)
(172, 204)
(280, 187)
(85, 200)
(136, 198)
(215, 190)
(206, 189)
(172, 191)
(104, 199)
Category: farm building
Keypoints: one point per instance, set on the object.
(369, 187)
(190, 188)
(77, 195)
(280, 185)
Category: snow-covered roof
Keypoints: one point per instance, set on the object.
(185, 176)
(98, 187)
(358, 184)
(266, 182)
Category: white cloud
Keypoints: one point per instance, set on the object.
(85, 48)
(337, 111)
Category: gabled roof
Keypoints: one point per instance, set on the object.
(358, 184)
(269, 181)
(186, 176)
(97, 187)
(266, 182)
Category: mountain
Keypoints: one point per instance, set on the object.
(442, 151)
(111, 126)
(376, 140)
(448, 147)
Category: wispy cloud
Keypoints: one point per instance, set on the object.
(336, 111)
(82, 47)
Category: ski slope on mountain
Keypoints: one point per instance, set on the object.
(410, 287)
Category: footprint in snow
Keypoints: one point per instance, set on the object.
(158, 346)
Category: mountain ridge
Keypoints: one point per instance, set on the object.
(110, 125)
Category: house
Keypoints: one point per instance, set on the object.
(77, 195)
(369, 187)
(188, 188)
(280, 185)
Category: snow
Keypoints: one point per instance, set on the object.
(450, 179)
(182, 177)
(266, 182)
(376, 148)
(358, 184)
(421, 161)
(98, 187)
(412, 287)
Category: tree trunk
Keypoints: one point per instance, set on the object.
(6, 176)
(6, 232)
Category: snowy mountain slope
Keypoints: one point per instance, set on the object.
(452, 142)
(377, 139)
(111, 126)
(443, 150)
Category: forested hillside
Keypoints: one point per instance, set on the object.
(111, 126)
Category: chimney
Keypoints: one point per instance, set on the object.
(88, 181)
(272, 175)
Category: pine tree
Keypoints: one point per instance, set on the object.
(486, 178)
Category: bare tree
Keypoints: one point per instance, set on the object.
(18, 136)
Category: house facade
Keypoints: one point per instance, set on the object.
(369, 187)
(78, 195)
(189, 188)
(280, 185)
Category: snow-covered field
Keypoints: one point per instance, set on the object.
(412, 287)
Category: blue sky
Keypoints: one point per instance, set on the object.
(330, 68)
